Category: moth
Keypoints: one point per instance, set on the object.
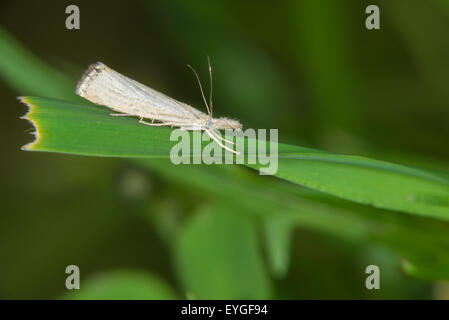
(104, 86)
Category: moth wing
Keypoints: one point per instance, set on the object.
(104, 86)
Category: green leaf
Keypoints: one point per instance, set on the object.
(372, 182)
(89, 130)
(84, 129)
(278, 234)
(424, 241)
(217, 257)
(123, 285)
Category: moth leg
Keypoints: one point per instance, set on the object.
(159, 124)
(221, 144)
(190, 128)
(150, 124)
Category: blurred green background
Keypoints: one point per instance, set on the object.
(152, 230)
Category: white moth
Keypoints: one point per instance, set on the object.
(104, 86)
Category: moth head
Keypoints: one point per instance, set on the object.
(224, 123)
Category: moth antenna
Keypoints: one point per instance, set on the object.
(211, 89)
(201, 87)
